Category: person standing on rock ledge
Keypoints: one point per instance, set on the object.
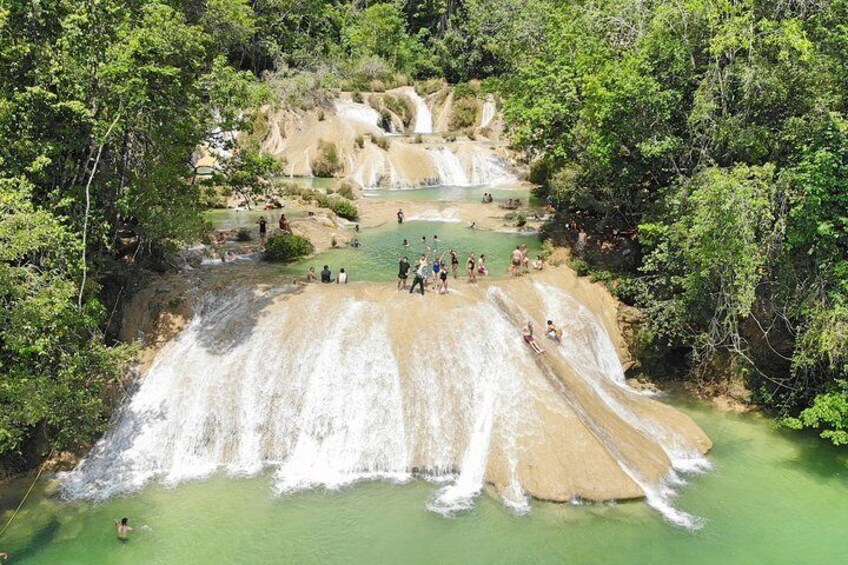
(263, 229)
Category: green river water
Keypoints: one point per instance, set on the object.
(773, 497)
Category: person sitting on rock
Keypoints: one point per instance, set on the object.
(553, 332)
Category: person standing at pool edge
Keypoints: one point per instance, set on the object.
(400, 215)
(420, 275)
(403, 273)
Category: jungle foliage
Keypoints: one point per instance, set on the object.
(716, 134)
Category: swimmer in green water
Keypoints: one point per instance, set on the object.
(123, 529)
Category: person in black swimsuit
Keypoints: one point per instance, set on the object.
(263, 229)
(471, 265)
(403, 273)
(443, 276)
(454, 262)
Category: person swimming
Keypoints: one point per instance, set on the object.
(123, 529)
(405, 243)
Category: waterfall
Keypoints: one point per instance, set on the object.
(423, 117)
(449, 215)
(489, 110)
(471, 165)
(356, 112)
(450, 169)
(335, 385)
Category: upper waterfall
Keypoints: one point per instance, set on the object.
(423, 116)
(489, 110)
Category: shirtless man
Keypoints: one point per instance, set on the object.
(311, 276)
(123, 529)
(516, 258)
(529, 339)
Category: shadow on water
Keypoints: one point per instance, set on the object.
(816, 455)
(230, 317)
(36, 543)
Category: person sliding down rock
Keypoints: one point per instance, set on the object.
(553, 332)
(529, 339)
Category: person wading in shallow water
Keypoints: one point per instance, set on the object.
(123, 529)
(403, 273)
(420, 274)
(454, 262)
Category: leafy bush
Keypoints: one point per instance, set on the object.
(580, 266)
(327, 164)
(244, 234)
(449, 137)
(828, 413)
(346, 190)
(471, 134)
(357, 97)
(521, 220)
(418, 139)
(287, 247)
(465, 90)
(343, 208)
(463, 113)
(382, 142)
(401, 106)
(429, 86)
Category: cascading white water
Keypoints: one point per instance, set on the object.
(588, 348)
(423, 116)
(330, 387)
(449, 168)
(357, 112)
(449, 215)
(486, 168)
(239, 391)
(470, 166)
(489, 110)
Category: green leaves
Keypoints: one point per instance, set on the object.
(828, 414)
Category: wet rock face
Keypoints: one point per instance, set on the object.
(339, 383)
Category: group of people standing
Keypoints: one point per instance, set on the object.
(520, 261)
(437, 269)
